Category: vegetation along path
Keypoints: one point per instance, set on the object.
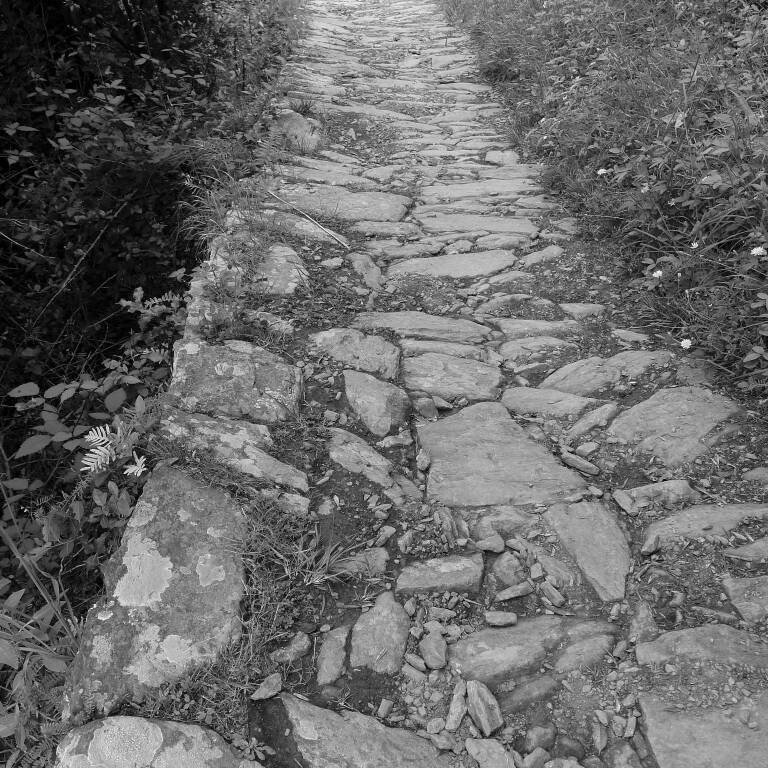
(543, 572)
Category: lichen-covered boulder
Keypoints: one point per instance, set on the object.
(235, 379)
(119, 742)
(172, 594)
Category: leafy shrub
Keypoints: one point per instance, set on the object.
(652, 117)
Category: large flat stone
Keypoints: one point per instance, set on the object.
(321, 738)
(593, 374)
(420, 325)
(749, 596)
(520, 329)
(280, 271)
(414, 347)
(469, 222)
(673, 423)
(172, 594)
(237, 443)
(356, 350)
(755, 553)
(701, 520)
(379, 636)
(547, 403)
(706, 738)
(340, 203)
(454, 573)
(236, 379)
(494, 656)
(481, 457)
(592, 537)
(715, 643)
(531, 348)
(456, 265)
(124, 742)
(501, 188)
(381, 406)
(452, 377)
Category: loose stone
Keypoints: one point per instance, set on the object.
(383, 407)
(454, 573)
(458, 706)
(433, 649)
(500, 618)
(379, 636)
(356, 350)
(489, 753)
(269, 687)
(483, 707)
(298, 646)
(452, 377)
(330, 660)
(749, 596)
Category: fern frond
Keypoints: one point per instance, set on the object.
(98, 458)
(99, 436)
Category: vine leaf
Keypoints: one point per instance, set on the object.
(33, 444)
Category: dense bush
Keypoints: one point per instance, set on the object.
(652, 117)
(111, 113)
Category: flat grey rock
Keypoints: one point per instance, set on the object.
(235, 379)
(756, 552)
(481, 457)
(529, 691)
(592, 537)
(366, 267)
(379, 636)
(456, 265)
(715, 643)
(749, 596)
(237, 443)
(550, 253)
(439, 223)
(483, 708)
(593, 374)
(581, 310)
(420, 325)
(501, 188)
(600, 417)
(488, 753)
(706, 738)
(494, 656)
(119, 742)
(525, 350)
(172, 595)
(453, 573)
(451, 377)
(701, 520)
(339, 203)
(357, 350)
(584, 653)
(322, 738)
(381, 406)
(333, 176)
(333, 654)
(414, 347)
(548, 403)
(520, 329)
(673, 423)
(280, 271)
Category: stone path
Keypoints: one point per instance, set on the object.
(511, 562)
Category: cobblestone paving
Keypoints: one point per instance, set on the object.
(509, 622)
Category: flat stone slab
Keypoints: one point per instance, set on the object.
(756, 552)
(456, 265)
(525, 350)
(547, 403)
(379, 636)
(381, 406)
(439, 223)
(706, 738)
(454, 573)
(673, 423)
(716, 643)
(339, 203)
(280, 271)
(701, 520)
(592, 537)
(501, 188)
(172, 594)
(120, 742)
(593, 374)
(237, 443)
(481, 457)
(356, 350)
(520, 329)
(749, 596)
(420, 325)
(581, 310)
(452, 377)
(321, 738)
(333, 655)
(414, 347)
(496, 655)
(235, 379)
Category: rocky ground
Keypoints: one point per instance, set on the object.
(558, 524)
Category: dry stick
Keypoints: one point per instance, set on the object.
(314, 221)
(74, 269)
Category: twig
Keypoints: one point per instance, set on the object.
(307, 216)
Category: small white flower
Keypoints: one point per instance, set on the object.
(686, 343)
(602, 171)
(695, 245)
(657, 274)
(138, 468)
(645, 188)
(759, 251)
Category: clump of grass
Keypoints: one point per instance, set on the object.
(652, 118)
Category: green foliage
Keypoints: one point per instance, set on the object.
(652, 117)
